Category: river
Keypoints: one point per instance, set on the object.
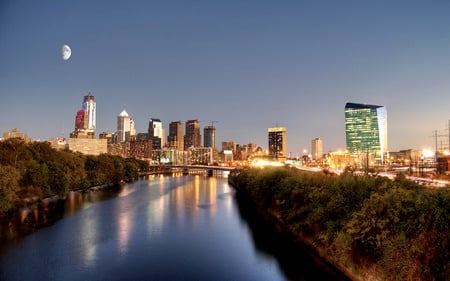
(161, 228)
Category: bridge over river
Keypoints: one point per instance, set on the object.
(189, 170)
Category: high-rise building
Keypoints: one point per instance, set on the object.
(277, 143)
(366, 129)
(209, 136)
(316, 148)
(89, 109)
(155, 132)
(192, 138)
(125, 127)
(82, 139)
(85, 119)
(175, 138)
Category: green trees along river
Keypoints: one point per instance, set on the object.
(369, 226)
(36, 170)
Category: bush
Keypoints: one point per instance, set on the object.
(398, 228)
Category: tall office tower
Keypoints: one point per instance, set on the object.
(85, 119)
(209, 136)
(316, 148)
(124, 124)
(192, 138)
(89, 109)
(366, 129)
(277, 142)
(132, 134)
(175, 138)
(155, 132)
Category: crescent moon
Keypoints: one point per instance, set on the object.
(66, 52)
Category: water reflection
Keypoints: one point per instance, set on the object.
(163, 228)
(125, 220)
(89, 236)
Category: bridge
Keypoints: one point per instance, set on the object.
(188, 170)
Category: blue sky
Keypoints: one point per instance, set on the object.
(249, 65)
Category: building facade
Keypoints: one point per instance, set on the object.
(88, 146)
(366, 130)
(277, 143)
(229, 145)
(192, 137)
(316, 148)
(155, 133)
(85, 119)
(209, 137)
(89, 108)
(15, 133)
(125, 127)
(140, 149)
(175, 138)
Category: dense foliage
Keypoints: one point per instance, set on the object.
(392, 229)
(36, 170)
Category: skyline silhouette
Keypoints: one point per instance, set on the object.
(249, 65)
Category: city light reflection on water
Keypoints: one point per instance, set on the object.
(163, 228)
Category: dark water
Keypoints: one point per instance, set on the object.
(164, 228)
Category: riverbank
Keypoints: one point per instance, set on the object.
(369, 228)
(339, 271)
(252, 212)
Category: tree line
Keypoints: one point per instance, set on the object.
(370, 225)
(36, 170)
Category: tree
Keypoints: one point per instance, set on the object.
(9, 186)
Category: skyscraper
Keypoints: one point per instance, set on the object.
(277, 142)
(316, 148)
(366, 129)
(155, 132)
(175, 138)
(89, 109)
(209, 136)
(82, 139)
(124, 126)
(192, 138)
(85, 119)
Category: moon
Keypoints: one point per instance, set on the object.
(66, 52)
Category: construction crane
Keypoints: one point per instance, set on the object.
(212, 123)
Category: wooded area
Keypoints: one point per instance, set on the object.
(35, 170)
(370, 225)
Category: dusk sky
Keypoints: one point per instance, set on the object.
(249, 65)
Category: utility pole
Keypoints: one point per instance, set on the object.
(448, 135)
(436, 136)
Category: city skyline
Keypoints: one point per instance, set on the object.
(248, 65)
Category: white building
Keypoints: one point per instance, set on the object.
(124, 124)
(89, 109)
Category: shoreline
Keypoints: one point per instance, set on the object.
(281, 227)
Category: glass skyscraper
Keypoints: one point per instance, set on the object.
(209, 136)
(155, 132)
(366, 129)
(277, 142)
